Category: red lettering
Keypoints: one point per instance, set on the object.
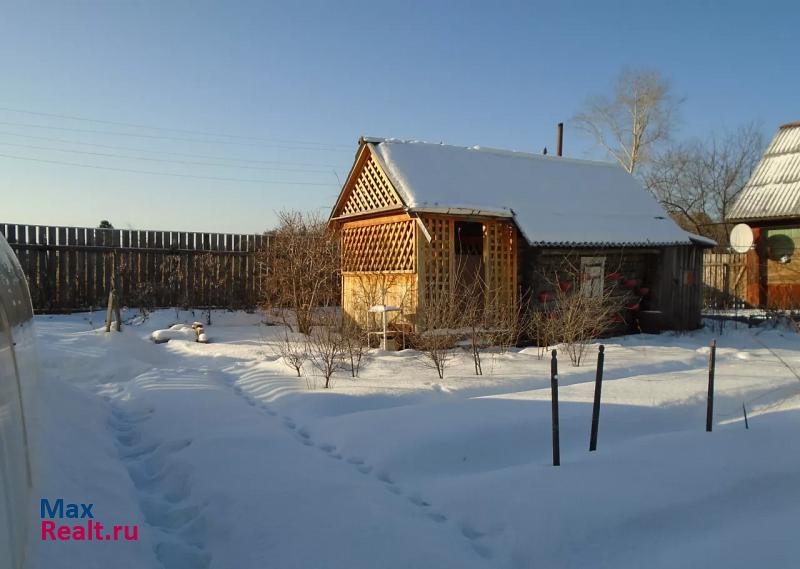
(47, 528)
(97, 528)
(63, 533)
(134, 533)
(117, 529)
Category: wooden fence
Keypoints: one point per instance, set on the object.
(74, 268)
(724, 280)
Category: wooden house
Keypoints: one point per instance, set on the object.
(770, 205)
(411, 213)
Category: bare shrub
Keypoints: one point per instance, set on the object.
(579, 313)
(292, 351)
(302, 268)
(326, 347)
(355, 346)
(207, 269)
(440, 325)
(173, 275)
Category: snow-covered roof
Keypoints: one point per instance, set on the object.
(773, 190)
(554, 200)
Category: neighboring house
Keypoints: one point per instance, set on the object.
(770, 205)
(412, 213)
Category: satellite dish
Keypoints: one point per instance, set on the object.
(741, 238)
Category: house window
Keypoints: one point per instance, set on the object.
(592, 276)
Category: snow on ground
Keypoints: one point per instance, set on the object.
(225, 460)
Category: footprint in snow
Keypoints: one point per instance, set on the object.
(471, 533)
(355, 460)
(364, 469)
(417, 500)
(437, 517)
(482, 550)
(384, 477)
(182, 556)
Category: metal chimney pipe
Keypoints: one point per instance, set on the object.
(560, 139)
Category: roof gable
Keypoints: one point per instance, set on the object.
(367, 189)
(553, 200)
(773, 190)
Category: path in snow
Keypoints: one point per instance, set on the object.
(360, 465)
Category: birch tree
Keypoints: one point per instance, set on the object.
(633, 120)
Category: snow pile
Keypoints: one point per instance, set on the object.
(226, 460)
(193, 333)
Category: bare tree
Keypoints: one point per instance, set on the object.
(355, 346)
(292, 351)
(326, 347)
(698, 181)
(302, 267)
(630, 123)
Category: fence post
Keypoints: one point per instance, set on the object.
(746, 424)
(109, 312)
(554, 402)
(598, 386)
(712, 356)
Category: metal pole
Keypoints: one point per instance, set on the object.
(383, 319)
(712, 356)
(554, 401)
(598, 386)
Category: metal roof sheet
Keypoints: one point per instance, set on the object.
(773, 190)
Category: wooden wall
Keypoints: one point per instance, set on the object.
(74, 268)
(673, 276)
(678, 291)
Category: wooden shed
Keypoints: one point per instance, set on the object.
(770, 205)
(411, 214)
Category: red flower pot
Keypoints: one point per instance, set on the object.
(644, 291)
(544, 297)
(565, 286)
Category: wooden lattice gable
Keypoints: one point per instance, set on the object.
(368, 189)
(385, 244)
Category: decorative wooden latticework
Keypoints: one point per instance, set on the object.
(372, 191)
(437, 257)
(500, 262)
(379, 247)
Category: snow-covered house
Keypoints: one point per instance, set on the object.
(411, 212)
(770, 204)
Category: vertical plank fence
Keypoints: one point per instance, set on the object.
(75, 268)
(724, 280)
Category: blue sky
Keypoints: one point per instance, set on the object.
(296, 84)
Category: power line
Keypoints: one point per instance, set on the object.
(217, 178)
(190, 162)
(187, 155)
(176, 138)
(185, 131)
